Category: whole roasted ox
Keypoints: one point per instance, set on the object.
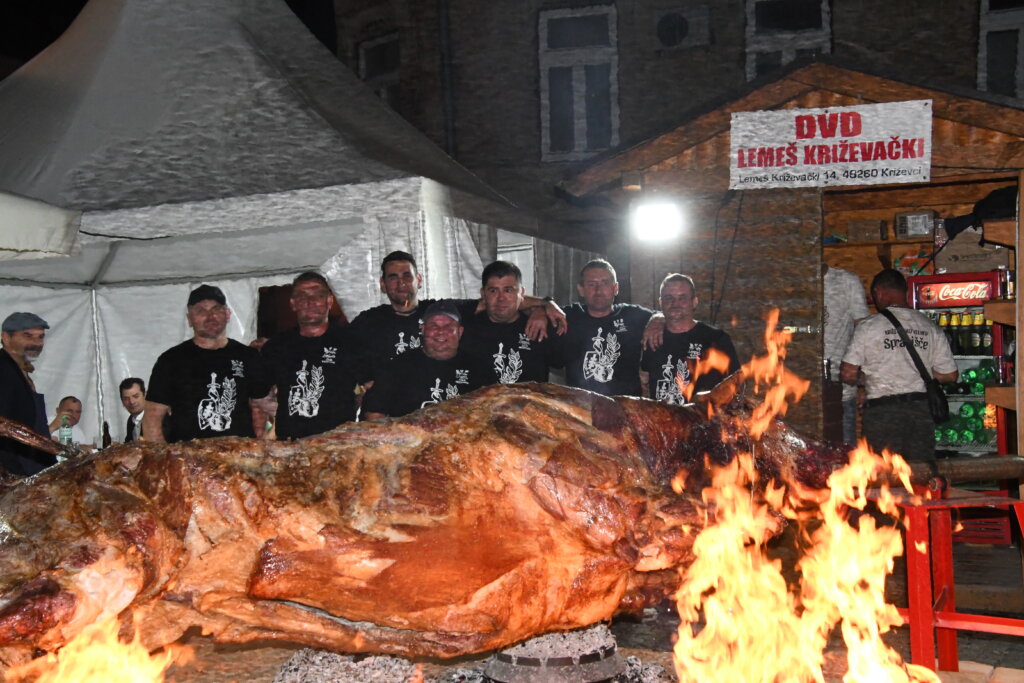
(464, 527)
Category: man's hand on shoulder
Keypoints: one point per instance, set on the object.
(540, 316)
(654, 333)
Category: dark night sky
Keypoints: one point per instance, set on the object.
(28, 26)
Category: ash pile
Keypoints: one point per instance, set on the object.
(584, 656)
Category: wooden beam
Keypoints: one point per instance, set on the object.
(944, 105)
(870, 197)
(648, 153)
(852, 84)
(1001, 156)
(1019, 352)
(1002, 312)
(1002, 232)
(714, 180)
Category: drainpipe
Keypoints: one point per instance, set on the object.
(447, 92)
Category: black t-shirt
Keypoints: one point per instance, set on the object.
(208, 390)
(678, 355)
(413, 381)
(603, 354)
(506, 350)
(315, 378)
(380, 334)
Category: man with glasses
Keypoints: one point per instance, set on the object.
(206, 383)
(312, 365)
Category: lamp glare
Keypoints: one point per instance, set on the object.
(657, 221)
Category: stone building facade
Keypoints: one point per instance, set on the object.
(521, 91)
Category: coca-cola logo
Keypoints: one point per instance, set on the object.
(958, 291)
(928, 294)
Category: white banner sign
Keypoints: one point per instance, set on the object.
(867, 144)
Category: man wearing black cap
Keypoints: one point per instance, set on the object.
(431, 373)
(23, 336)
(205, 383)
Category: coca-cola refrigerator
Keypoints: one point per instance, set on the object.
(955, 303)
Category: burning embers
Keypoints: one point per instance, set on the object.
(741, 620)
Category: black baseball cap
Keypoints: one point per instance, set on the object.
(204, 292)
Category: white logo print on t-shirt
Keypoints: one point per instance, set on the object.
(599, 364)
(215, 410)
(667, 388)
(304, 395)
(508, 367)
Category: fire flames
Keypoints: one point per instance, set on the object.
(97, 655)
(740, 618)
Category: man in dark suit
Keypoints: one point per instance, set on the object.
(23, 336)
(133, 398)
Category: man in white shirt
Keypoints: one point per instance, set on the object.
(896, 416)
(844, 306)
(71, 407)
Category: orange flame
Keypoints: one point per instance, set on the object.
(740, 619)
(716, 360)
(96, 655)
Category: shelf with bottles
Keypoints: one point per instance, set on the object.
(976, 374)
(969, 333)
(971, 428)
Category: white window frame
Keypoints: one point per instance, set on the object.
(1002, 20)
(578, 59)
(786, 42)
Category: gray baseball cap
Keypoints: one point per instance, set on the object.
(443, 307)
(16, 322)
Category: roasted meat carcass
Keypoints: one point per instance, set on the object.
(468, 526)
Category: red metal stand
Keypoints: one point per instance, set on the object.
(931, 599)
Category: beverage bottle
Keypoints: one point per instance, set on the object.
(940, 234)
(106, 435)
(950, 435)
(967, 410)
(966, 436)
(986, 373)
(977, 329)
(938, 435)
(954, 332)
(944, 326)
(64, 431)
(966, 326)
(986, 338)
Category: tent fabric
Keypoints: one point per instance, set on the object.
(149, 102)
(210, 141)
(34, 229)
(214, 141)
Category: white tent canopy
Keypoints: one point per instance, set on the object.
(216, 141)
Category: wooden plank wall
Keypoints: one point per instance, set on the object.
(750, 252)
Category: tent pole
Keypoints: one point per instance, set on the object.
(94, 311)
(100, 272)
